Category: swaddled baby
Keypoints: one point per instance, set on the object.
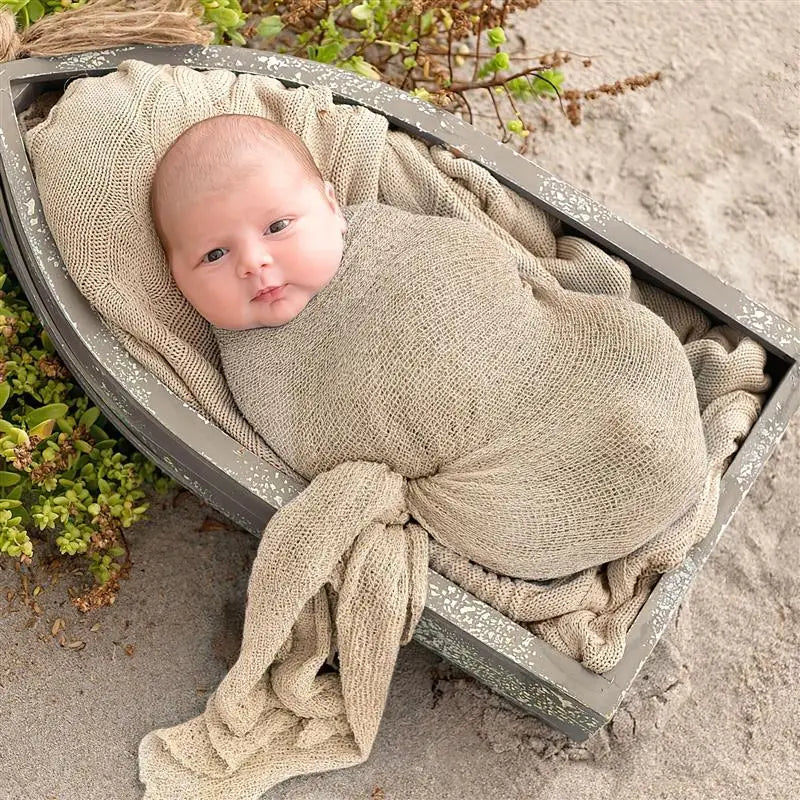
(539, 430)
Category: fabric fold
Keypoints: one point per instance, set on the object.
(587, 614)
(276, 714)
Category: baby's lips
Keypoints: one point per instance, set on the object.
(267, 290)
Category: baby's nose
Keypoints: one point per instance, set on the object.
(254, 259)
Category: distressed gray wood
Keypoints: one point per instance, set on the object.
(480, 640)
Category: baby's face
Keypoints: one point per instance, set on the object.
(270, 226)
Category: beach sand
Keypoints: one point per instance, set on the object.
(705, 160)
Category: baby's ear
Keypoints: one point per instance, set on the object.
(330, 194)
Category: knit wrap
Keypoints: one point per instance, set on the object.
(541, 430)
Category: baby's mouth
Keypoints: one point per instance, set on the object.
(270, 292)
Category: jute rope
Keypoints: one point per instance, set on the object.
(102, 24)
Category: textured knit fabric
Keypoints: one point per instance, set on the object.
(541, 430)
(342, 567)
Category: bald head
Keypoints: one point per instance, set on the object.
(204, 156)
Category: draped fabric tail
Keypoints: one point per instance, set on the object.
(340, 569)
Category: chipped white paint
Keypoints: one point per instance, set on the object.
(761, 320)
(497, 632)
(566, 198)
(756, 450)
(255, 474)
(537, 694)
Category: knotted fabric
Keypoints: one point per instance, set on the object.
(342, 567)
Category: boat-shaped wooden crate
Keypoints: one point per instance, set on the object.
(454, 624)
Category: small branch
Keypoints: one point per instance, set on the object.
(477, 49)
(558, 94)
(461, 87)
(450, 54)
(513, 104)
(464, 100)
(499, 116)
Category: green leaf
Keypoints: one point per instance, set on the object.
(269, 27)
(43, 429)
(5, 393)
(543, 80)
(496, 36)
(35, 10)
(9, 478)
(426, 22)
(327, 53)
(47, 343)
(104, 444)
(15, 494)
(360, 67)
(98, 434)
(362, 12)
(224, 17)
(89, 417)
(39, 415)
(9, 503)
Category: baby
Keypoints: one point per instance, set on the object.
(250, 229)
(539, 431)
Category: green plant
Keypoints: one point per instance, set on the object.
(444, 52)
(62, 473)
(30, 11)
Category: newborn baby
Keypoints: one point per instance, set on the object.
(539, 431)
(250, 229)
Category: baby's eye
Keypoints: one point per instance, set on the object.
(214, 255)
(278, 226)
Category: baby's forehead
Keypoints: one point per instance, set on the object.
(217, 153)
(214, 155)
(209, 168)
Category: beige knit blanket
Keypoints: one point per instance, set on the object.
(275, 715)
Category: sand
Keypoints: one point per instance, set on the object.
(706, 161)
